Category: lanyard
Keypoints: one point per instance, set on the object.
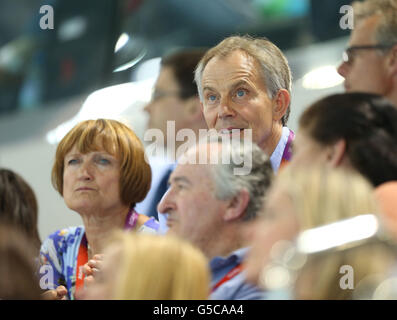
(230, 275)
(287, 154)
(82, 256)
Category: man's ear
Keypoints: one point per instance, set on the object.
(281, 103)
(237, 206)
(336, 153)
(392, 61)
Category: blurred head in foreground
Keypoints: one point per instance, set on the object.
(150, 267)
(18, 205)
(18, 279)
(303, 199)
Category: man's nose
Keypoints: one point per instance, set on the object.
(147, 108)
(165, 203)
(342, 69)
(225, 110)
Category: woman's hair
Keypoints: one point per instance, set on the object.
(370, 264)
(159, 268)
(367, 122)
(18, 278)
(321, 195)
(116, 139)
(18, 205)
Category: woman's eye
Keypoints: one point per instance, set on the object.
(72, 161)
(103, 161)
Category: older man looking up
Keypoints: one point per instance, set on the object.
(245, 83)
(208, 205)
(370, 62)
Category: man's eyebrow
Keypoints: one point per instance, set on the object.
(179, 179)
(232, 86)
(239, 83)
(208, 88)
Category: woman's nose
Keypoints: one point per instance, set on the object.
(86, 171)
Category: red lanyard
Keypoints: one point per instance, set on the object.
(82, 259)
(82, 256)
(230, 275)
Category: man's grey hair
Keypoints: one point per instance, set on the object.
(386, 32)
(256, 182)
(275, 70)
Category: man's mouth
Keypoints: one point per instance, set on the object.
(170, 222)
(230, 130)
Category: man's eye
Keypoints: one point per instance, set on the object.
(211, 97)
(240, 93)
(178, 186)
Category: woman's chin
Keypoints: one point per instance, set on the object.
(81, 208)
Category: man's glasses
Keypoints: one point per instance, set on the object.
(349, 54)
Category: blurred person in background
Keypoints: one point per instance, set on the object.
(175, 95)
(355, 131)
(174, 101)
(101, 172)
(386, 195)
(302, 199)
(18, 279)
(370, 62)
(209, 205)
(151, 267)
(245, 83)
(18, 206)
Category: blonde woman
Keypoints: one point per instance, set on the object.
(302, 199)
(151, 267)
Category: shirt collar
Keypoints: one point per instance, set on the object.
(276, 157)
(235, 257)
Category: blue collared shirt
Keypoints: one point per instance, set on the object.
(236, 288)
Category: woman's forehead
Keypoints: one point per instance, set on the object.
(96, 146)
